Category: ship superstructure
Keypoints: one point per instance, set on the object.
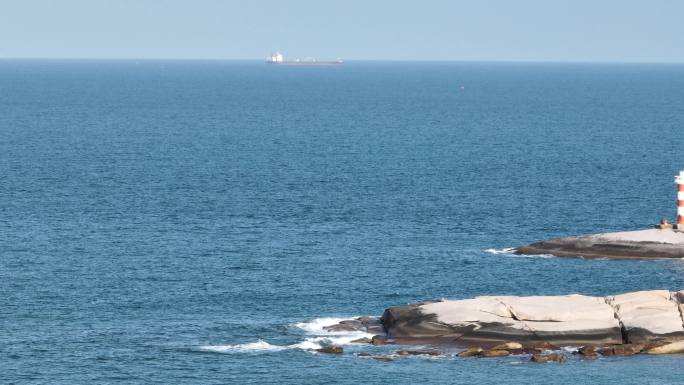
(278, 58)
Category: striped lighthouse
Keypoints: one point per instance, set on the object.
(679, 180)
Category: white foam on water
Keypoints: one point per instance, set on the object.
(319, 342)
(312, 344)
(251, 347)
(317, 325)
(510, 251)
(507, 250)
(542, 256)
(320, 338)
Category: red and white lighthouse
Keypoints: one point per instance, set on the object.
(679, 180)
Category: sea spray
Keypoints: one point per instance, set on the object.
(316, 328)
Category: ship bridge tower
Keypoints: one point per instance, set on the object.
(679, 180)
(276, 58)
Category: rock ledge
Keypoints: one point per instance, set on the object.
(641, 244)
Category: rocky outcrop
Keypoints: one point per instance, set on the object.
(642, 244)
(648, 316)
(628, 321)
(561, 320)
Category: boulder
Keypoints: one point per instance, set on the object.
(552, 357)
(470, 352)
(508, 346)
(622, 350)
(372, 325)
(379, 340)
(331, 350)
(588, 351)
(494, 353)
(419, 353)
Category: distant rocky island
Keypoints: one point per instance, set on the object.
(493, 326)
(664, 242)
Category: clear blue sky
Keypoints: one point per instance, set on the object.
(500, 30)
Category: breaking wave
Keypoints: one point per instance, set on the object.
(507, 250)
(317, 325)
(251, 347)
(320, 338)
(510, 251)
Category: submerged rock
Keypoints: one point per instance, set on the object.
(383, 358)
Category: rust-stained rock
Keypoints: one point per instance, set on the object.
(331, 350)
(588, 351)
(419, 353)
(508, 346)
(551, 357)
(622, 350)
(494, 353)
(471, 352)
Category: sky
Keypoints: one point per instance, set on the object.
(455, 30)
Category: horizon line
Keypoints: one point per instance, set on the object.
(345, 60)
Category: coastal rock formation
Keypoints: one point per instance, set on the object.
(624, 324)
(649, 316)
(561, 320)
(642, 244)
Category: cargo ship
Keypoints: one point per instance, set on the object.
(278, 58)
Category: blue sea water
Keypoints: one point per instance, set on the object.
(168, 222)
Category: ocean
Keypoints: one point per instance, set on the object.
(199, 222)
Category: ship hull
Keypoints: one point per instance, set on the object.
(306, 64)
